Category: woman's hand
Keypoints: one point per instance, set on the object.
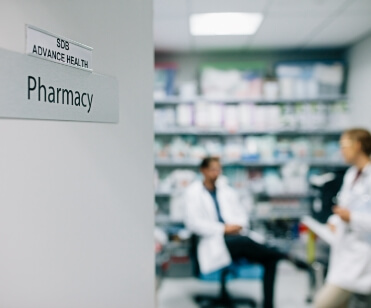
(332, 227)
(343, 213)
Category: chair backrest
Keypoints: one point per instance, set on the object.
(193, 255)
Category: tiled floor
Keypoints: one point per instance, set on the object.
(291, 289)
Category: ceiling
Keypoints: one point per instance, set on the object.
(287, 24)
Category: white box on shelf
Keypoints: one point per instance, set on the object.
(231, 121)
(164, 117)
(270, 90)
(208, 115)
(267, 146)
(259, 117)
(233, 148)
(184, 115)
(287, 86)
(201, 114)
(215, 115)
(177, 208)
(245, 116)
(188, 90)
(273, 117)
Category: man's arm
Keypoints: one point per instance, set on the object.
(196, 219)
(232, 229)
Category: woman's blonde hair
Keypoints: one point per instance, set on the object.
(363, 136)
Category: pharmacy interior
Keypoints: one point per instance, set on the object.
(271, 105)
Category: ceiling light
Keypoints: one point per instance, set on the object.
(225, 23)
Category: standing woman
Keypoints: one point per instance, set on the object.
(350, 257)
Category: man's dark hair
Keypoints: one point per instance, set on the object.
(207, 161)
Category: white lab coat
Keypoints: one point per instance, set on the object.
(201, 218)
(350, 257)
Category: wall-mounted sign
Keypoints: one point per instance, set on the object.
(36, 89)
(48, 46)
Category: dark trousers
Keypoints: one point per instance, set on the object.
(244, 247)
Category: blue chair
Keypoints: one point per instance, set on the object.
(239, 269)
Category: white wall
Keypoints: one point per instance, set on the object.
(76, 199)
(359, 83)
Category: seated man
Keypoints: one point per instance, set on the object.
(213, 212)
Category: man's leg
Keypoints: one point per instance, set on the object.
(331, 296)
(244, 247)
(268, 283)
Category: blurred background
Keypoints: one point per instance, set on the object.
(268, 86)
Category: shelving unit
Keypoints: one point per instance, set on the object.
(284, 212)
(168, 194)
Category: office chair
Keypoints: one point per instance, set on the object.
(224, 299)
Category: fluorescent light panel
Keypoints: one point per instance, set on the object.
(225, 23)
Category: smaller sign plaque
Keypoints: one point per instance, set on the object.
(48, 46)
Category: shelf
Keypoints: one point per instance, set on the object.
(287, 196)
(239, 163)
(281, 214)
(259, 195)
(277, 216)
(221, 132)
(177, 163)
(175, 100)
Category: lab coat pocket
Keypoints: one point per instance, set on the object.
(213, 254)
